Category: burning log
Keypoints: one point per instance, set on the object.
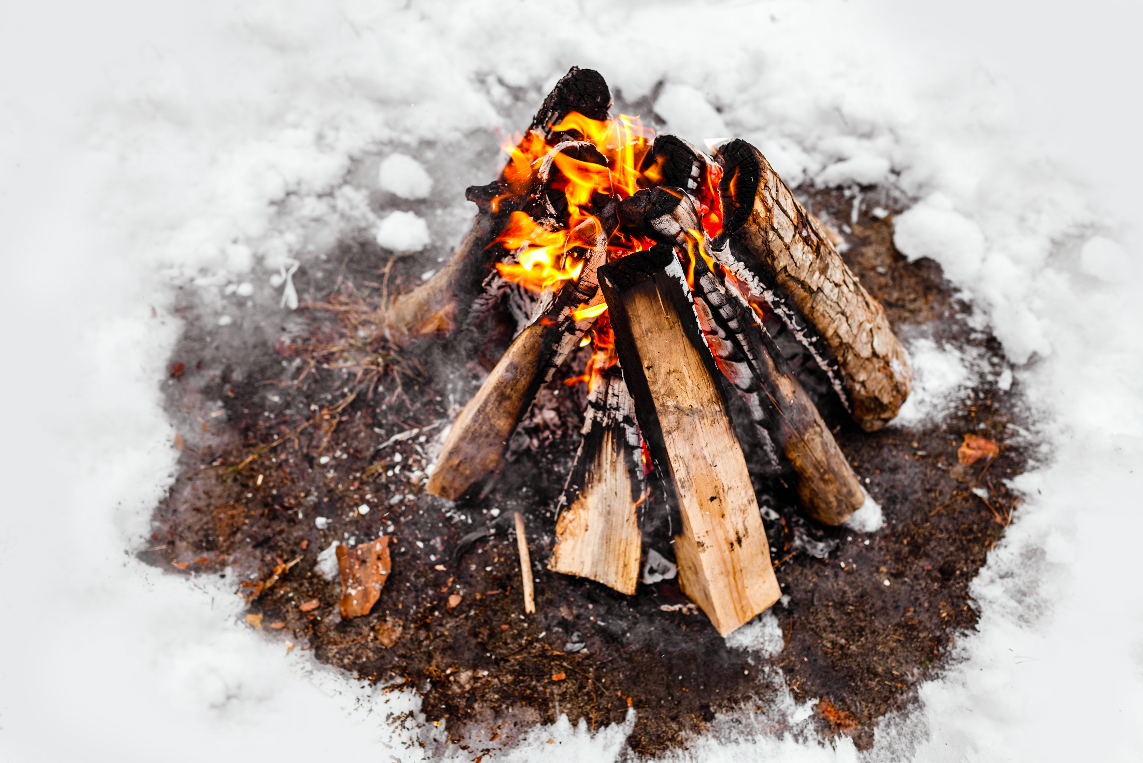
(722, 552)
(474, 446)
(442, 302)
(826, 486)
(597, 532)
(779, 252)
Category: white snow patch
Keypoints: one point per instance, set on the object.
(327, 562)
(942, 375)
(689, 114)
(403, 232)
(762, 635)
(934, 229)
(868, 519)
(1104, 259)
(404, 176)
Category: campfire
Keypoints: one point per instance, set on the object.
(668, 262)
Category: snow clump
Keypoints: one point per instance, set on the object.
(403, 176)
(933, 229)
(403, 232)
(868, 519)
(762, 635)
(327, 562)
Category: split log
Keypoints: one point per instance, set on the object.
(827, 488)
(781, 254)
(722, 553)
(597, 531)
(475, 444)
(442, 302)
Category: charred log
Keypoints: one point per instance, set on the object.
(779, 252)
(474, 446)
(827, 488)
(443, 302)
(722, 552)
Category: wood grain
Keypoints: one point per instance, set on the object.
(722, 552)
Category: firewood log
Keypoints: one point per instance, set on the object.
(597, 531)
(827, 488)
(722, 552)
(442, 302)
(474, 446)
(780, 253)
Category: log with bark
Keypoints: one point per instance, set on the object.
(597, 530)
(722, 552)
(827, 488)
(475, 444)
(445, 300)
(781, 254)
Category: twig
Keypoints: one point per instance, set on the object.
(784, 558)
(956, 497)
(525, 566)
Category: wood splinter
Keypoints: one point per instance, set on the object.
(722, 552)
(597, 532)
(525, 566)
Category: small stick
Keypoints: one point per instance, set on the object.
(525, 566)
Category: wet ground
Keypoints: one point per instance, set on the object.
(287, 423)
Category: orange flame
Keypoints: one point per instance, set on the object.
(623, 142)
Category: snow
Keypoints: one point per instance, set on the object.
(149, 148)
(327, 562)
(942, 377)
(867, 519)
(404, 176)
(403, 232)
(762, 635)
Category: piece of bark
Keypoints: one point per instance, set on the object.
(827, 488)
(442, 303)
(364, 570)
(781, 254)
(722, 553)
(525, 566)
(474, 446)
(597, 531)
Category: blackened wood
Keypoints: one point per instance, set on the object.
(722, 553)
(782, 255)
(443, 302)
(474, 446)
(597, 531)
(827, 488)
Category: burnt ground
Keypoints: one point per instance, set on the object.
(280, 421)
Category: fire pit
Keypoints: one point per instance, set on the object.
(659, 327)
(668, 263)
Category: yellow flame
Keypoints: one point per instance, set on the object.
(585, 311)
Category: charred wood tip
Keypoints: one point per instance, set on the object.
(679, 163)
(636, 267)
(638, 212)
(582, 90)
(742, 172)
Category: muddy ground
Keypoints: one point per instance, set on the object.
(275, 435)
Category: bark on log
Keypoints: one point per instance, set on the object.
(722, 553)
(597, 532)
(474, 446)
(827, 488)
(781, 254)
(442, 302)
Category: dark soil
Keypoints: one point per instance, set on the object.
(866, 620)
